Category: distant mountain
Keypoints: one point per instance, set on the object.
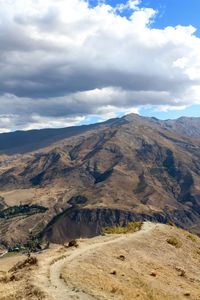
(30, 140)
(184, 126)
(132, 168)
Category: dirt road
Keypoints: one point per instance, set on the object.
(49, 277)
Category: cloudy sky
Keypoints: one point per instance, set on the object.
(68, 62)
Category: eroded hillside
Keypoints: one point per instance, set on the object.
(133, 168)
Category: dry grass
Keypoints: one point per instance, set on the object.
(18, 270)
(16, 282)
(57, 259)
(132, 227)
(140, 267)
(192, 237)
(136, 266)
(30, 261)
(170, 223)
(35, 293)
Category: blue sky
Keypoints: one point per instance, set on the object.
(176, 12)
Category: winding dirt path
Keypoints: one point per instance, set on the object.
(48, 278)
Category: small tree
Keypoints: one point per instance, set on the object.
(33, 244)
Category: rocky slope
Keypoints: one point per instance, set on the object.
(133, 168)
(184, 126)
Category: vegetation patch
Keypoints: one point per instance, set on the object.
(171, 223)
(174, 242)
(192, 237)
(130, 228)
(35, 292)
(26, 209)
(2, 203)
(73, 243)
(77, 200)
(30, 261)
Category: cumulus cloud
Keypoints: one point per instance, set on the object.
(64, 60)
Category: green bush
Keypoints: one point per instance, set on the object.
(25, 209)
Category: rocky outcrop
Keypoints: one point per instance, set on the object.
(81, 223)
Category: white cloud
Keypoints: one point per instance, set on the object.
(63, 60)
(131, 4)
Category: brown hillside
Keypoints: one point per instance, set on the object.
(128, 169)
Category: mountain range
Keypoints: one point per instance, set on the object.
(66, 183)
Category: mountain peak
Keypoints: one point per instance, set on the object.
(131, 117)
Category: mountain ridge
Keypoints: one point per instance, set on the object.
(124, 169)
(11, 142)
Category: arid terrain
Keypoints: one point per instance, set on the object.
(99, 150)
(158, 262)
(69, 183)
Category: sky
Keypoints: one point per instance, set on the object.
(71, 62)
(170, 12)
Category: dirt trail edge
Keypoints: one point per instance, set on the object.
(48, 278)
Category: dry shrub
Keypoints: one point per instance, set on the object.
(10, 277)
(180, 271)
(4, 278)
(121, 257)
(174, 242)
(73, 243)
(130, 228)
(30, 261)
(33, 291)
(171, 223)
(192, 237)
